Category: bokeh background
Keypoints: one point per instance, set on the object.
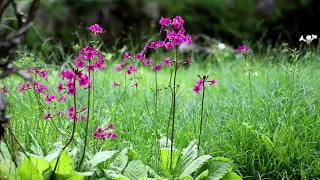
(133, 21)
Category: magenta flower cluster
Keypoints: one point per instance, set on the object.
(102, 134)
(95, 28)
(201, 83)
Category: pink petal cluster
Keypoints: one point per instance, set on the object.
(47, 116)
(115, 84)
(158, 67)
(5, 90)
(120, 66)
(95, 28)
(89, 53)
(42, 73)
(126, 56)
(243, 48)
(49, 98)
(102, 134)
(132, 68)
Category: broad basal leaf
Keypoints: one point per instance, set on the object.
(100, 157)
(203, 175)
(231, 176)
(71, 176)
(64, 165)
(114, 175)
(40, 164)
(188, 155)
(135, 170)
(194, 165)
(166, 159)
(217, 169)
(27, 170)
(120, 161)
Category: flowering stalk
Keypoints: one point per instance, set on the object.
(73, 130)
(201, 116)
(245, 52)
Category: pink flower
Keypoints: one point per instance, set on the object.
(189, 61)
(131, 68)
(110, 126)
(177, 40)
(83, 118)
(79, 62)
(243, 48)
(113, 136)
(96, 28)
(89, 54)
(83, 80)
(68, 75)
(147, 62)
(90, 67)
(115, 84)
(213, 81)
(60, 87)
(22, 88)
(84, 109)
(126, 56)
(72, 91)
(60, 113)
(200, 82)
(196, 88)
(71, 109)
(5, 90)
(165, 21)
(166, 61)
(158, 67)
(40, 88)
(47, 116)
(153, 45)
(70, 84)
(188, 39)
(62, 98)
(136, 84)
(139, 56)
(44, 74)
(169, 46)
(49, 98)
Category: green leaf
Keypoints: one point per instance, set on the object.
(268, 143)
(36, 148)
(189, 154)
(231, 176)
(27, 170)
(50, 157)
(120, 161)
(114, 175)
(100, 157)
(166, 159)
(217, 169)
(186, 178)
(152, 173)
(64, 165)
(71, 176)
(194, 165)
(203, 175)
(40, 164)
(135, 170)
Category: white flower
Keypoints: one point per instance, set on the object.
(309, 38)
(221, 46)
(255, 74)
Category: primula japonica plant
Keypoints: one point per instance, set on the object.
(201, 85)
(245, 52)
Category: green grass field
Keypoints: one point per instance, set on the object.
(270, 131)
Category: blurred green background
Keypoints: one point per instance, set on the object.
(133, 21)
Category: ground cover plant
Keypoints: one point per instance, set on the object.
(166, 115)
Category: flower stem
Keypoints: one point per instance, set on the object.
(173, 106)
(72, 133)
(201, 118)
(87, 125)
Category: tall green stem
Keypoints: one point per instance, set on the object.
(174, 93)
(201, 118)
(249, 74)
(73, 131)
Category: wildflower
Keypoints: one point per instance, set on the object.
(84, 80)
(84, 109)
(136, 84)
(71, 109)
(90, 67)
(79, 62)
(308, 39)
(200, 82)
(147, 62)
(166, 61)
(60, 87)
(169, 46)
(126, 56)
(96, 28)
(22, 88)
(139, 56)
(49, 98)
(110, 126)
(153, 45)
(158, 67)
(100, 63)
(131, 68)
(165, 21)
(83, 118)
(113, 136)
(60, 113)
(62, 98)
(188, 39)
(196, 88)
(47, 116)
(5, 90)
(43, 74)
(221, 46)
(72, 91)
(115, 84)
(70, 84)
(213, 81)
(188, 61)
(243, 48)
(40, 88)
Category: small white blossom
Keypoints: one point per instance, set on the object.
(308, 39)
(221, 46)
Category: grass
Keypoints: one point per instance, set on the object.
(274, 135)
